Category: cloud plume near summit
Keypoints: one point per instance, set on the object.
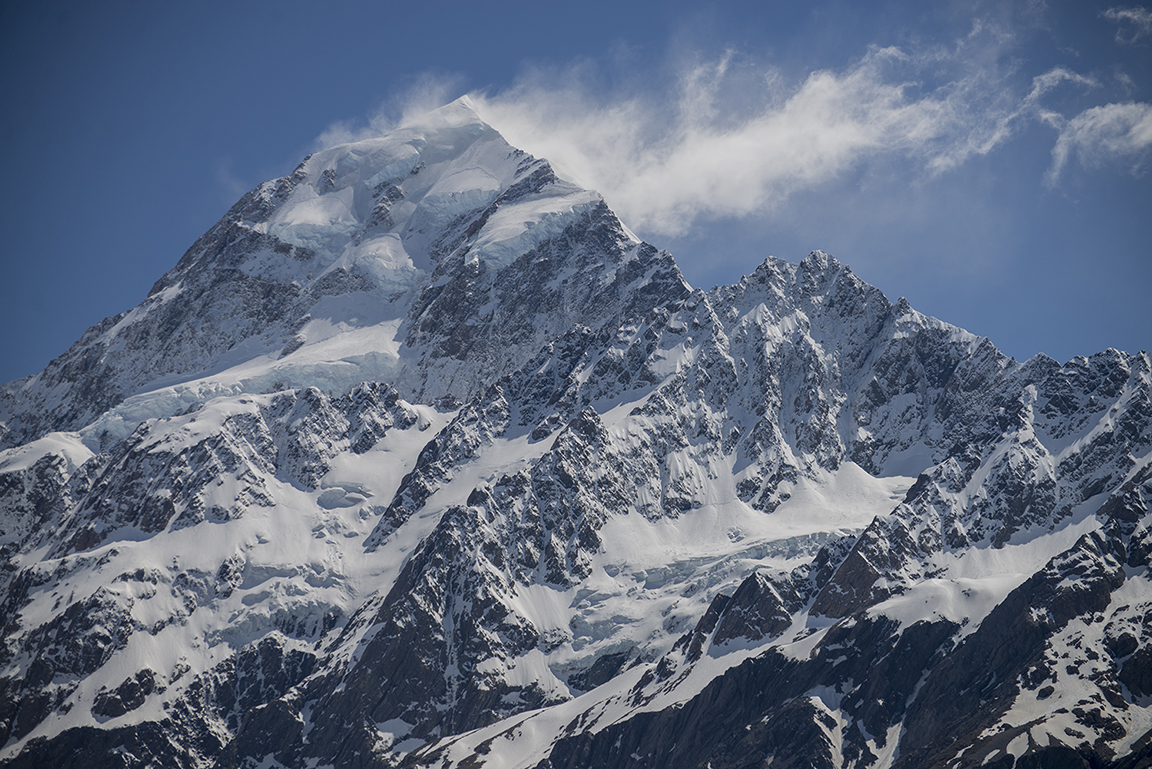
(709, 137)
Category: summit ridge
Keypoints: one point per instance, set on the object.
(310, 279)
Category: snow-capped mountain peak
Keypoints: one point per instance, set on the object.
(419, 458)
(313, 279)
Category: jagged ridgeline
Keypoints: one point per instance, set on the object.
(420, 458)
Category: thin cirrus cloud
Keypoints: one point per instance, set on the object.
(1121, 132)
(1134, 23)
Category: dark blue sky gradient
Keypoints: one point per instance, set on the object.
(129, 128)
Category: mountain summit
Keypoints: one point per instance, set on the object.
(341, 273)
(420, 458)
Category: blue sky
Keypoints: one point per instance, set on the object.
(989, 161)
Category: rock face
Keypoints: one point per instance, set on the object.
(419, 458)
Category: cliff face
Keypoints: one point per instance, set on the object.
(420, 458)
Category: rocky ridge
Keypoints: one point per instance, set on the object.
(579, 513)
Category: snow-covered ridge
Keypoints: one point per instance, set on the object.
(308, 280)
(580, 513)
(368, 203)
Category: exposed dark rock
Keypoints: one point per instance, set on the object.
(129, 695)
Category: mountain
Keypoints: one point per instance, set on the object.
(420, 458)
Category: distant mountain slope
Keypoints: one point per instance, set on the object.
(419, 458)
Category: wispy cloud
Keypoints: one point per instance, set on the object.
(1135, 22)
(423, 94)
(700, 137)
(662, 162)
(230, 185)
(982, 128)
(729, 137)
(1102, 134)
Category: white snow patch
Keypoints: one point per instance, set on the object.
(67, 445)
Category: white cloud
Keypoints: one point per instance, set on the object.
(984, 130)
(425, 93)
(1101, 134)
(1139, 19)
(663, 163)
(694, 138)
(730, 137)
